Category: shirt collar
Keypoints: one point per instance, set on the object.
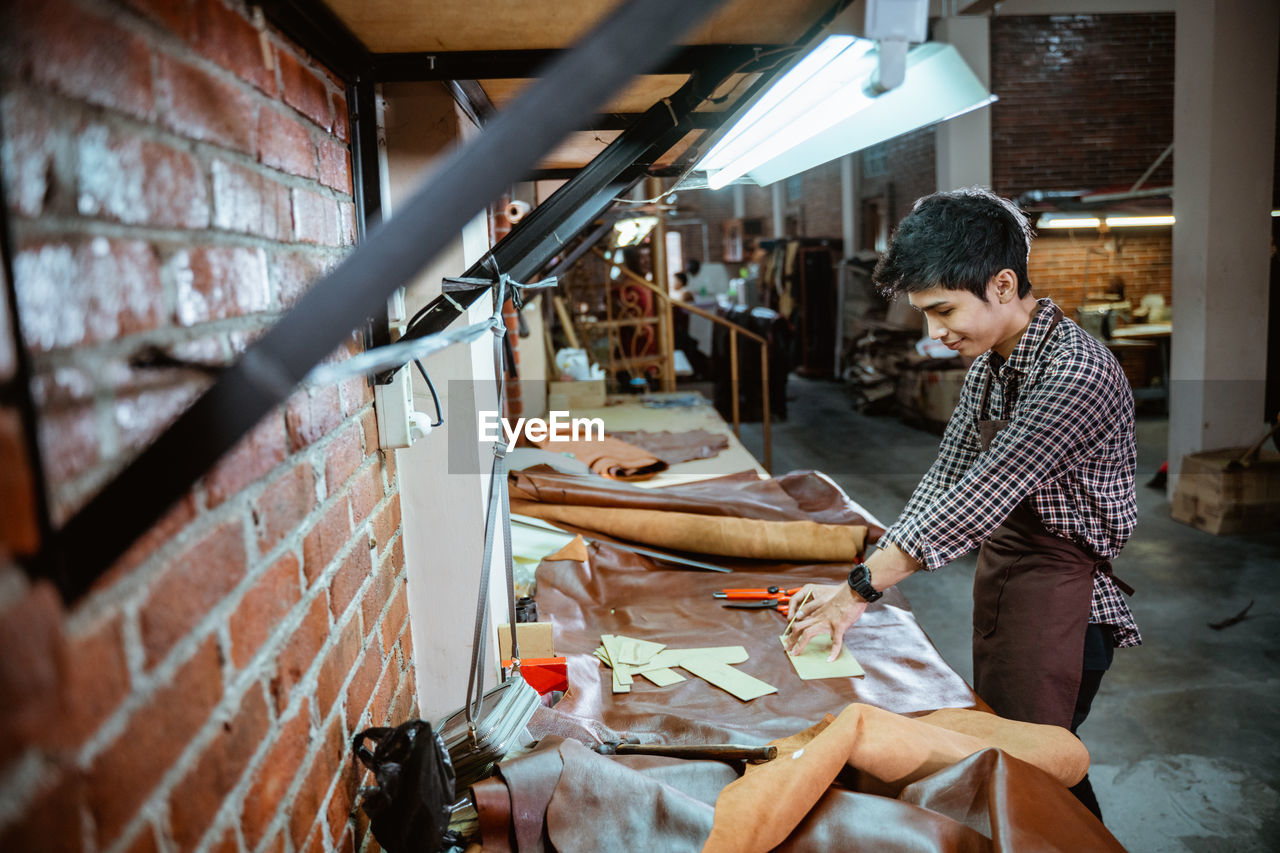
(1023, 356)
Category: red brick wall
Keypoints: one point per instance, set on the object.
(169, 187)
(1086, 101)
(1067, 267)
(910, 171)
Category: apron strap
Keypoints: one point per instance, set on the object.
(986, 385)
(1104, 566)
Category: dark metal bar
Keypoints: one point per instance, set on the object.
(631, 40)
(551, 174)
(510, 64)
(17, 391)
(472, 97)
(541, 235)
(320, 33)
(584, 245)
(366, 182)
(362, 117)
(622, 121)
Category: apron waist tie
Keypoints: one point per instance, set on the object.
(1104, 566)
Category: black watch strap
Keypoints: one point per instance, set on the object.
(860, 583)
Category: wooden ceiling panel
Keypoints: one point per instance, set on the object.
(578, 149)
(642, 93)
(393, 26)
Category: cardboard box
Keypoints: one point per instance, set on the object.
(1217, 498)
(536, 640)
(940, 393)
(571, 396)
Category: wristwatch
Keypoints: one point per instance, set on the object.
(860, 583)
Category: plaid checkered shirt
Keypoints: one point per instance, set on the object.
(1069, 445)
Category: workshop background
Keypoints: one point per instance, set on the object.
(177, 173)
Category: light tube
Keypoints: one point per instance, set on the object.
(1137, 221)
(823, 108)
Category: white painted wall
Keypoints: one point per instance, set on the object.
(1224, 137)
(444, 478)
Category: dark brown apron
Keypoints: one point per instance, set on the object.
(1031, 599)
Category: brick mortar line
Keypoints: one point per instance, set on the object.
(26, 778)
(344, 765)
(305, 687)
(72, 226)
(237, 685)
(76, 112)
(146, 683)
(130, 588)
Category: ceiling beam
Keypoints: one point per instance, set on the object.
(621, 121)
(514, 64)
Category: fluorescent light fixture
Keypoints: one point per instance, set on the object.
(1057, 220)
(824, 108)
(1137, 221)
(1077, 220)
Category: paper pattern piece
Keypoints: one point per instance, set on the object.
(657, 663)
(663, 677)
(812, 664)
(722, 675)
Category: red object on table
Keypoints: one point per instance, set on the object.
(544, 674)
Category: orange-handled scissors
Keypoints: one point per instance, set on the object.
(782, 596)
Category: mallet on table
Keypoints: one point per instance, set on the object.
(707, 752)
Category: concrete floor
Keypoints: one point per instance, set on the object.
(1185, 732)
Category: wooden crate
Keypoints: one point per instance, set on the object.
(1217, 498)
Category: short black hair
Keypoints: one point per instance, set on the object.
(958, 240)
(683, 279)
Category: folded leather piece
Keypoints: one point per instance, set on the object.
(610, 457)
(767, 521)
(1013, 803)
(676, 447)
(798, 496)
(989, 802)
(744, 538)
(888, 751)
(604, 806)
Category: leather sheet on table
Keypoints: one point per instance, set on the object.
(800, 517)
(617, 592)
(575, 800)
(797, 496)
(610, 457)
(676, 447)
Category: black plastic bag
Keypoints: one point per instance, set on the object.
(409, 807)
